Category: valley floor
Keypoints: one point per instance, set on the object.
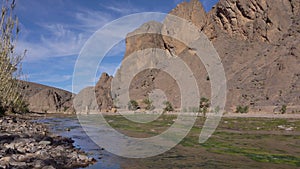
(238, 142)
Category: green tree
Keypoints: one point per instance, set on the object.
(133, 105)
(204, 106)
(168, 107)
(148, 103)
(10, 62)
(283, 109)
(242, 109)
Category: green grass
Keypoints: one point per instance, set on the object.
(234, 146)
(234, 136)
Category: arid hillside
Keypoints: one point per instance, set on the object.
(46, 99)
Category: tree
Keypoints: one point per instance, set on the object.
(283, 109)
(148, 103)
(242, 109)
(168, 106)
(10, 62)
(204, 105)
(133, 105)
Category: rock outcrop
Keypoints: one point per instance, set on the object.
(257, 40)
(45, 99)
(103, 93)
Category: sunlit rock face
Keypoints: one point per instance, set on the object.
(257, 40)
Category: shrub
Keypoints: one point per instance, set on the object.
(10, 63)
(148, 103)
(283, 109)
(133, 105)
(204, 105)
(168, 107)
(242, 109)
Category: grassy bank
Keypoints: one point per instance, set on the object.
(237, 143)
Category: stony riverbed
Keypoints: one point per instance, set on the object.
(27, 144)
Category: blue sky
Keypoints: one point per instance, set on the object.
(54, 31)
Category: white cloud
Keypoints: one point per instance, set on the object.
(63, 39)
(45, 77)
(122, 9)
(91, 20)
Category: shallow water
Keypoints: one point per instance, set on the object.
(59, 126)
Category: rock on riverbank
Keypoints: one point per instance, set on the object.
(26, 144)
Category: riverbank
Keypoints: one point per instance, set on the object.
(28, 144)
(225, 115)
(238, 142)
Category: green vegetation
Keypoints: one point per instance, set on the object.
(168, 107)
(283, 109)
(254, 153)
(10, 63)
(204, 106)
(258, 139)
(133, 105)
(242, 109)
(148, 103)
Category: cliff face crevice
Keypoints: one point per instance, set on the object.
(254, 19)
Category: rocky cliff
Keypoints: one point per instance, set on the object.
(45, 99)
(257, 40)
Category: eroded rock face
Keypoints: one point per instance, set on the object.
(103, 93)
(257, 40)
(257, 20)
(45, 99)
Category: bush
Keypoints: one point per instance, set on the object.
(168, 107)
(283, 109)
(10, 63)
(204, 105)
(148, 103)
(133, 105)
(242, 109)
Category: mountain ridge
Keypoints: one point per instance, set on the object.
(46, 99)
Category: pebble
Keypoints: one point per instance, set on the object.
(45, 143)
(59, 148)
(11, 146)
(83, 157)
(48, 167)
(26, 144)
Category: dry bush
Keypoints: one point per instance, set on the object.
(10, 62)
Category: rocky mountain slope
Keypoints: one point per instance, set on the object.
(257, 40)
(45, 99)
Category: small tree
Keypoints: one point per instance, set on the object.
(283, 109)
(148, 103)
(204, 105)
(133, 105)
(242, 109)
(10, 63)
(168, 107)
